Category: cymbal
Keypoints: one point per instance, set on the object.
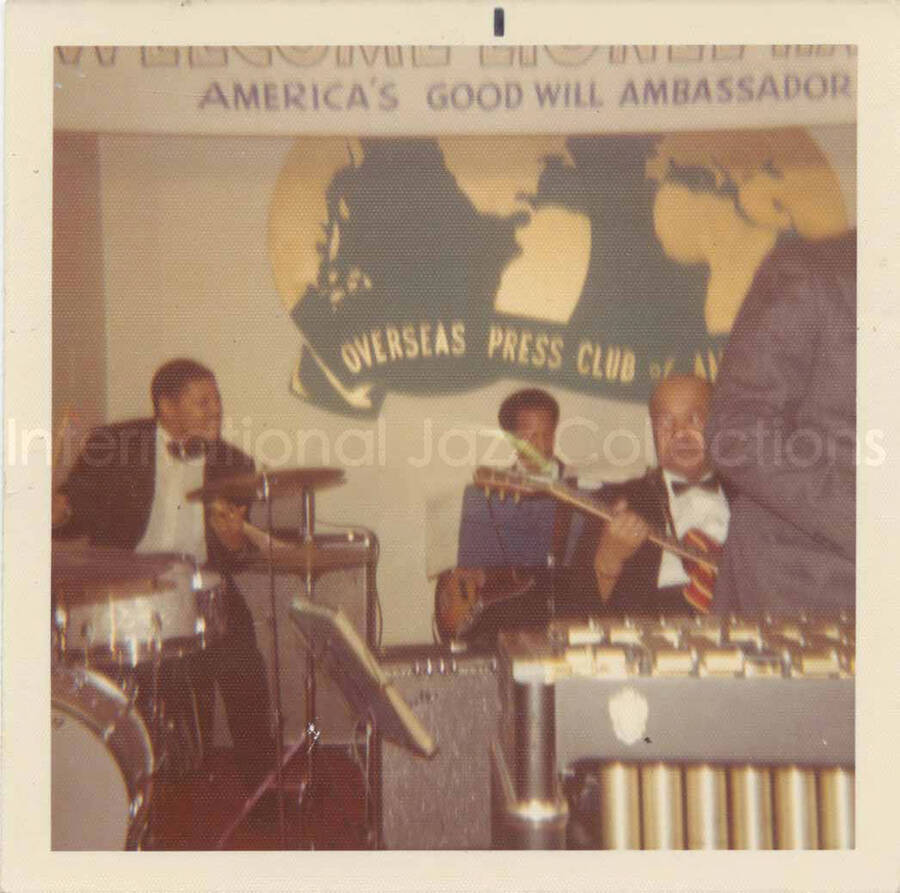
(96, 567)
(251, 487)
(306, 557)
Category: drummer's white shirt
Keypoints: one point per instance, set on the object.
(175, 524)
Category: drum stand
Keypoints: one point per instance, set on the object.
(310, 736)
(156, 737)
(312, 733)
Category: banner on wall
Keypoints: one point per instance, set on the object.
(584, 217)
(591, 263)
(438, 89)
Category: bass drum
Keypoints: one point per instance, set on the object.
(101, 764)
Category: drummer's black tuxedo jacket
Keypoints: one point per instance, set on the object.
(111, 486)
(111, 493)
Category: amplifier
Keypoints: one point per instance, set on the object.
(442, 802)
(352, 589)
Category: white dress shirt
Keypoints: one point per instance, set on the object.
(175, 524)
(707, 511)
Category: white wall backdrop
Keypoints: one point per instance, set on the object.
(186, 272)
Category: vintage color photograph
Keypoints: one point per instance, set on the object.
(444, 437)
(447, 448)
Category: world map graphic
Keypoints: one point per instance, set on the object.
(595, 263)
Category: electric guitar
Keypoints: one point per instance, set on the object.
(458, 603)
(462, 595)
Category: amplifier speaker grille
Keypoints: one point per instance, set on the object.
(442, 802)
(352, 590)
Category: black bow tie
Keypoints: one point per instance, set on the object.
(192, 448)
(711, 484)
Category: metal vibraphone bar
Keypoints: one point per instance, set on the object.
(693, 733)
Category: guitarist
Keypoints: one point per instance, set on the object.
(530, 416)
(627, 572)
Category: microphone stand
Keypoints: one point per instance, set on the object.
(276, 669)
(551, 587)
(311, 734)
(281, 758)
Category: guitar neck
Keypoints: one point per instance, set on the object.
(602, 510)
(504, 481)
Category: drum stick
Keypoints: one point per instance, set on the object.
(256, 535)
(58, 439)
(260, 538)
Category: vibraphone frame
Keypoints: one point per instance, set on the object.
(692, 733)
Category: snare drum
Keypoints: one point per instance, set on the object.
(101, 764)
(171, 615)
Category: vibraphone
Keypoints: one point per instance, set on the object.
(694, 733)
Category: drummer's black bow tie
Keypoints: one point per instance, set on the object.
(192, 448)
(711, 484)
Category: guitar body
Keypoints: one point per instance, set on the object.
(461, 597)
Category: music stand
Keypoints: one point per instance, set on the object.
(495, 533)
(333, 643)
(262, 486)
(514, 535)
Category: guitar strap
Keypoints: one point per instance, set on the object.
(663, 492)
(562, 523)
